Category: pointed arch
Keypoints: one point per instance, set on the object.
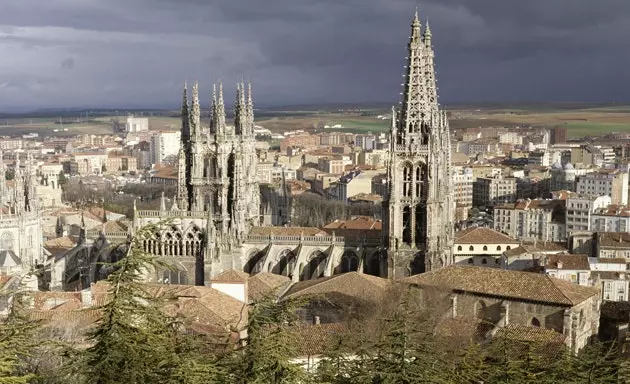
(286, 263)
(349, 262)
(315, 267)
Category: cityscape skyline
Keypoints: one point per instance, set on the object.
(106, 56)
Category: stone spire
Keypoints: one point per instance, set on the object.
(419, 102)
(240, 111)
(250, 110)
(58, 227)
(217, 121)
(195, 114)
(185, 137)
(429, 67)
(182, 185)
(82, 230)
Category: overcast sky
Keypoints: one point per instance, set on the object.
(137, 53)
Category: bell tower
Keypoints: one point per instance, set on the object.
(418, 211)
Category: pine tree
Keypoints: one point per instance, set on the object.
(17, 341)
(266, 354)
(134, 340)
(597, 363)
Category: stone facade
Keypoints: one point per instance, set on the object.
(420, 206)
(20, 218)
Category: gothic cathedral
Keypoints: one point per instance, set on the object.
(216, 218)
(419, 209)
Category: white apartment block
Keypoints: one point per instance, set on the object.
(613, 218)
(463, 184)
(165, 147)
(580, 208)
(613, 183)
(513, 138)
(136, 124)
(532, 220)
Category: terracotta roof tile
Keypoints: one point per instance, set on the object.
(480, 235)
(505, 283)
(527, 333)
(264, 283)
(614, 239)
(351, 284)
(358, 222)
(231, 276)
(567, 261)
(315, 339)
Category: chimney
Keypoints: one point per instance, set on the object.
(316, 320)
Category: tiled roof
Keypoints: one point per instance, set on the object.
(51, 301)
(614, 239)
(505, 283)
(515, 251)
(358, 222)
(609, 275)
(470, 329)
(60, 242)
(611, 260)
(264, 283)
(351, 284)
(480, 235)
(315, 339)
(287, 231)
(231, 276)
(527, 333)
(567, 261)
(544, 246)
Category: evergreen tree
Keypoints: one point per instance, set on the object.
(597, 363)
(266, 353)
(134, 341)
(17, 341)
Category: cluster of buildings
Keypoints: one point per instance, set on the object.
(519, 229)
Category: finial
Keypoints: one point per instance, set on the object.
(427, 29)
(162, 203)
(415, 18)
(220, 93)
(214, 93)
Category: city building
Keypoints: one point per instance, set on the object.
(481, 246)
(613, 183)
(580, 208)
(494, 190)
(463, 191)
(539, 219)
(559, 135)
(570, 267)
(136, 124)
(164, 147)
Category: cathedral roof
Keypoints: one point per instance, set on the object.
(231, 276)
(515, 285)
(357, 222)
(265, 283)
(352, 284)
(480, 235)
(60, 242)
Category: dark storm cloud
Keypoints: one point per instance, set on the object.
(139, 52)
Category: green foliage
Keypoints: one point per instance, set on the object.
(17, 342)
(266, 353)
(62, 179)
(135, 341)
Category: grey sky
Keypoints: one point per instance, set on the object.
(137, 53)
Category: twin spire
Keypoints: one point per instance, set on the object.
(243, 112)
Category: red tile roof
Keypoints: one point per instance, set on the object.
(480, 235)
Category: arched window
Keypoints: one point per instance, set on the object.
(498, 247)
(471, 248)
(484, 261)
(407, 177)
(535, 322)
(459, 247)
(470, 260)
(485, 247)
(508, 248)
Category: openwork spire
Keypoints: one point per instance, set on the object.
(185, 136)
(195, 114)
(250, 109)
(240, 111)
(217, 122)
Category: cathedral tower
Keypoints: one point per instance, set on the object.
(419, 209)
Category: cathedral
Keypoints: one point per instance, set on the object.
(215, 222)
(20, 218)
